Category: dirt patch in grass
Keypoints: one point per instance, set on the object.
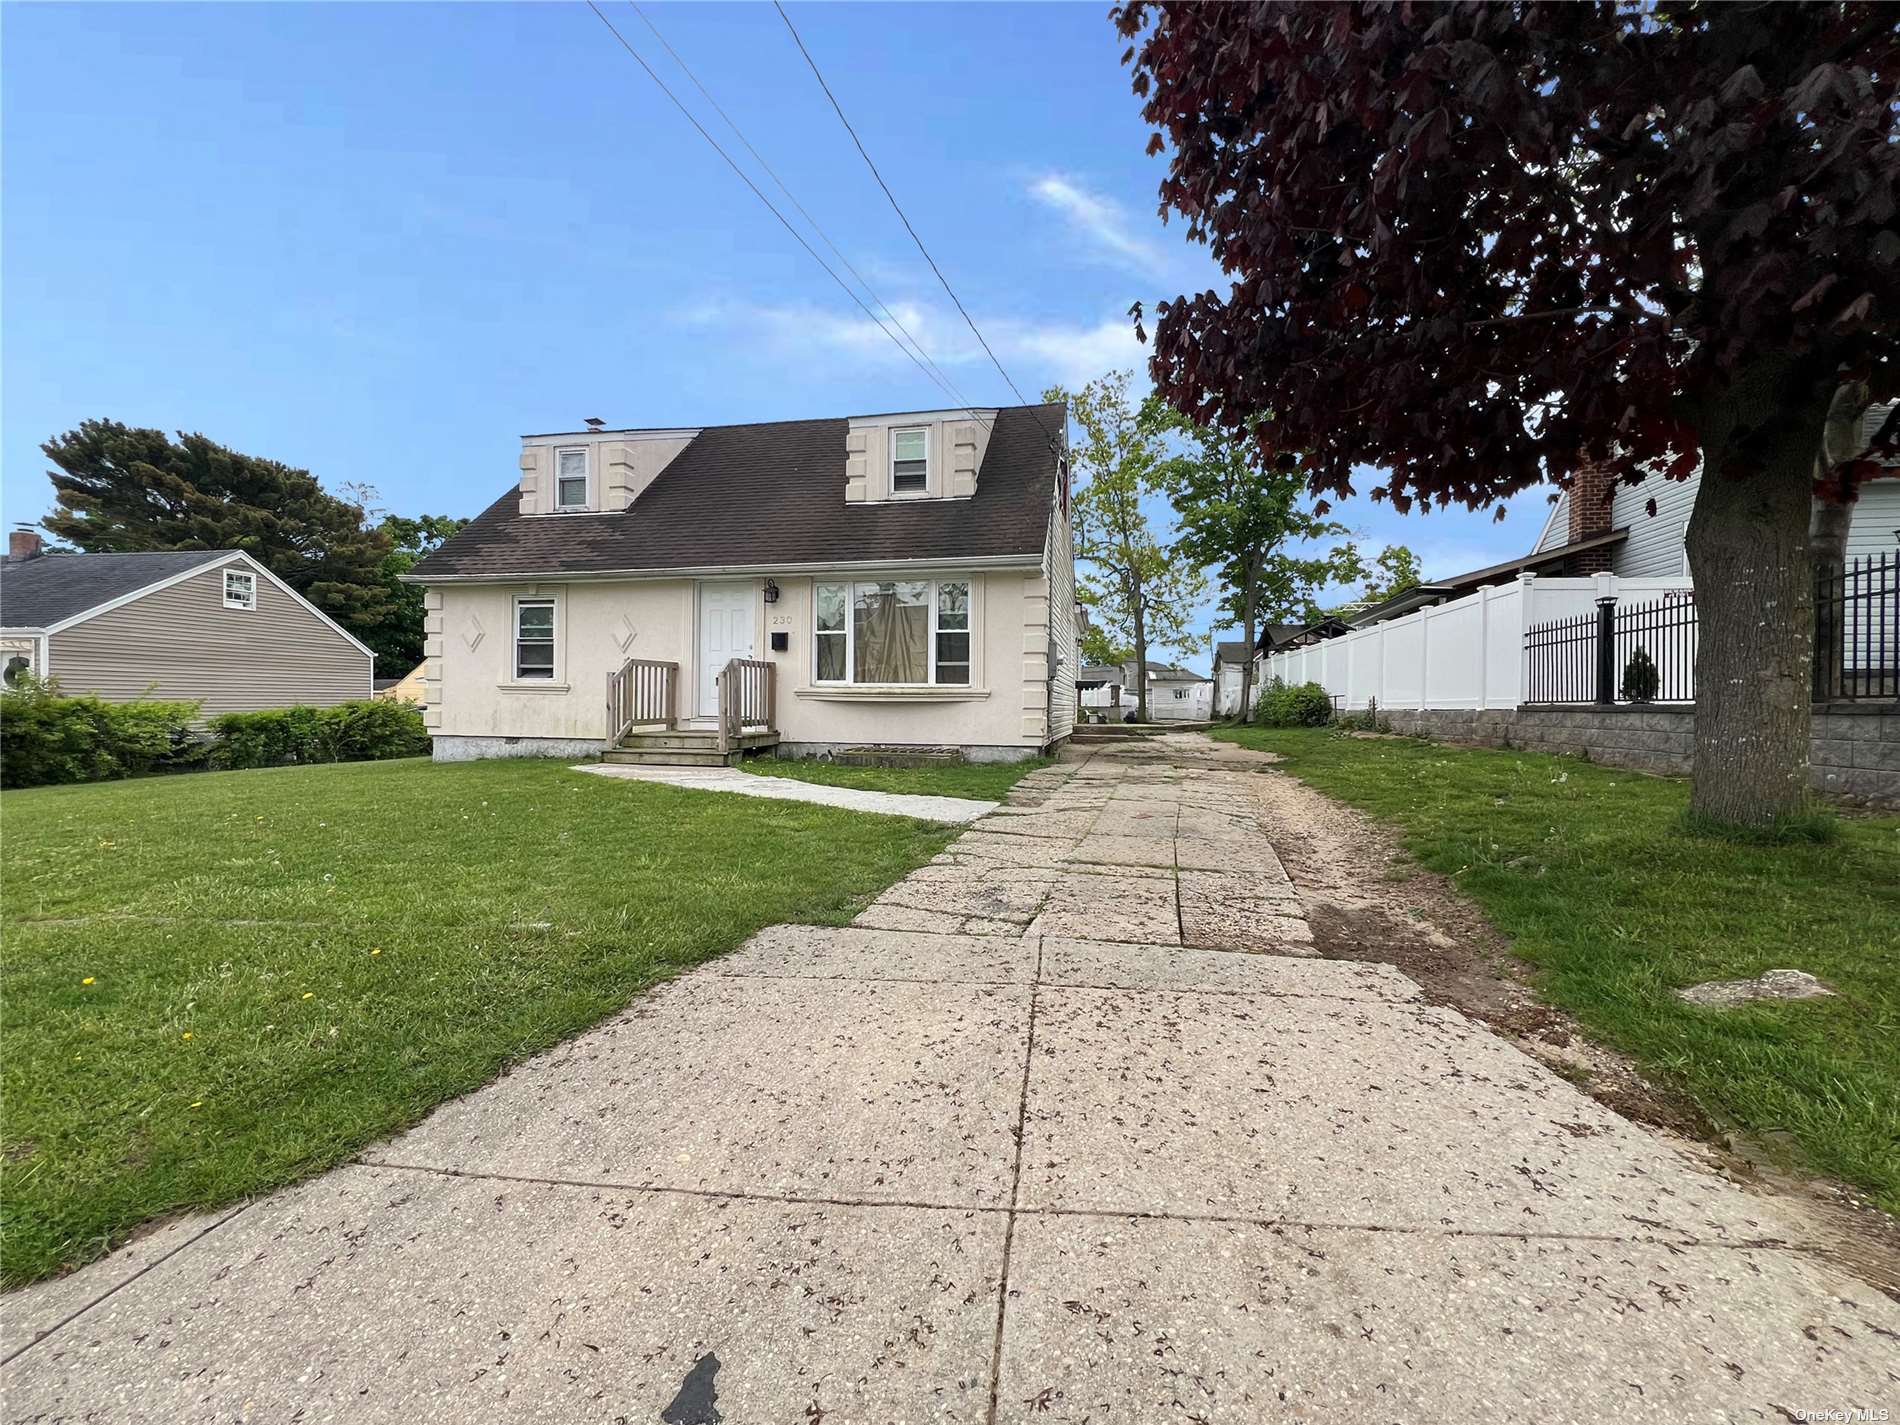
(1366, 899)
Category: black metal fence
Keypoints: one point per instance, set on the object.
(1857, 630)
(1642, 653)
(1645, 653)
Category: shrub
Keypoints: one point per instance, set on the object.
(46, 738)
(273, 737)
(372, 730)
(1641, 681)
(1283, 705)
(365, 731)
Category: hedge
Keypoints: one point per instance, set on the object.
(349, 732)
(47, 738)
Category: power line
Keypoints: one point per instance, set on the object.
(945, 382)
(898, 208)
(746, 179)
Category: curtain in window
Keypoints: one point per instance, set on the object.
(832, 599)
(891, 631)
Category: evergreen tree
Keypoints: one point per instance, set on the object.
(124, 490)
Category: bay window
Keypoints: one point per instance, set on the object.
(893, 631)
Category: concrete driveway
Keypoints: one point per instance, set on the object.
(1070, 1127)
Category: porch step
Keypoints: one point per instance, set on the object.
(685, 747)
(672, 757)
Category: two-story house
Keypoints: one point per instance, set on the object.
(901, 581)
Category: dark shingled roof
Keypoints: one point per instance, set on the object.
(43, 590)
(773, 494)
(1231, 651)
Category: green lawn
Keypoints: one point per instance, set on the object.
(215, 984)
(980, 781)
(1588, 871)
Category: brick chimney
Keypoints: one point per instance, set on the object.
(1588, 507)
(24, 543)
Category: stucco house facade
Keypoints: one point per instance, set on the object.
(211, 625)
(893, 581)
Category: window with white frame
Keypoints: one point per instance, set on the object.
(910, 461)
(570, 479)
(534, 638)
(240, 589)
(901, 631)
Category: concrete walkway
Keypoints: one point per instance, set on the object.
(1038, 1139)
(955, 810)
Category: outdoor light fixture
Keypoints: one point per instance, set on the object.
(770, 591)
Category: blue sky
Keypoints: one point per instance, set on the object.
(382, 241)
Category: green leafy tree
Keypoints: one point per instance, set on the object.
(1238, 515)
(1143, 593)
(1394, 570)
(397, 638)
(1480, 246)
(123, 490)
(1100, 649)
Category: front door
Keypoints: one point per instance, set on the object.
(726, 616)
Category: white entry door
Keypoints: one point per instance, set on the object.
(726, 616)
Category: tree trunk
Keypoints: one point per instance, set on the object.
(1141, 653)
(1247, 623)
(1748, 551)
(1827, 529)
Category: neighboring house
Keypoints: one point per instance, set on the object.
(1230, 664)
(211, 625)
(410, 688)
(1643, 545)
(900, 581)
(1174, 693)
(1177, 695)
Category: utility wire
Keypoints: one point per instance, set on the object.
(747, 180)
(898, 208)
(948, 385)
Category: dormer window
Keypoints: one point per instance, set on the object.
(570, 479)
(910, 461)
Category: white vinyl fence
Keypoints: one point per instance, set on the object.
(1465, 654)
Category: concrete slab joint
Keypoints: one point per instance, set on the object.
(1034, 1139)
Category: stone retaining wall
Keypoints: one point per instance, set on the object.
(1854, 752)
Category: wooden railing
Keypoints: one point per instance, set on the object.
(747, 698)
(645, 692)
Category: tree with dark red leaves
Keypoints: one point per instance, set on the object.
(1476, 244)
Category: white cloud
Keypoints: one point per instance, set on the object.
(1104, 222)
(1035, 353)
(1072, 354)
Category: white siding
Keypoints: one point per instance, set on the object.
(1557, 531)
(1654, 547)
(1876, 520)
(1059, 568)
